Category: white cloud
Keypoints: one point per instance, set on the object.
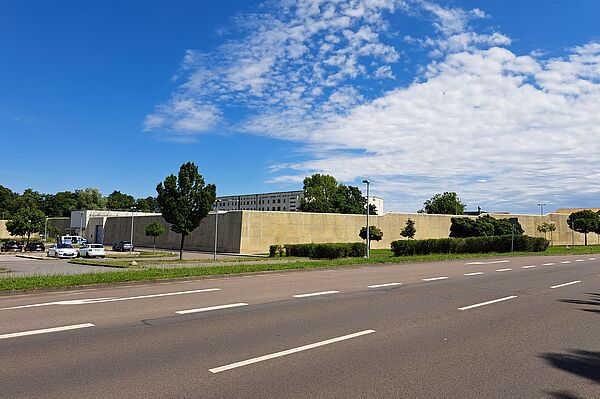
(498, 127)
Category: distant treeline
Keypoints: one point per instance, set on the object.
(63, 202)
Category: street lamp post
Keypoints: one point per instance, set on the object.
(541, 209)
(46, 230)
(131, 239)
(368, 183)
(216, 226)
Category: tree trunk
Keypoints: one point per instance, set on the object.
(585, 235)
(181, 247)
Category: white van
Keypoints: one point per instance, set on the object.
(72, 240)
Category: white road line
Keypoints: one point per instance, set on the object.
(565, 284)
(46, 330)
(110, 299)
(548, 264)
(564, 262)
(383, 285)
(503, 270)
(579, 260)
(288, 352)
(488, 263)
(591, 258)
(528, 267)
(231, 305)
(315, 294)
(473, 274)
(487, 303)
(435, 278)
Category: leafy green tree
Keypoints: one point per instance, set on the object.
(7, 202)
(547, 227)
(323, 194)
(154, 230)
(552, 228)
(147, 204)
(447, 203)
(26, 221)
(119, 201)
(60, 204)
(409, 230)
(584, 222)
(185, 200)
(462, 227)
(90, 198)
(375, 234)
(320, 192)
(349, 200)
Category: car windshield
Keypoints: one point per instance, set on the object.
(64, 246)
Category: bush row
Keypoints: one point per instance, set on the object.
(321, 251)
(468, 245)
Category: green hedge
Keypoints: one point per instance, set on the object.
(469, 245)
(323, 251)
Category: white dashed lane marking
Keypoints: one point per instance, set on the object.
(487, 302)
(528, 267)
(435, 278)
(473, 274)
(46, 330)
(565, 284)
(383, 285)
(315, 294)
(503, 270)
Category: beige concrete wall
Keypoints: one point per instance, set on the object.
(254, 231)
(61, 223)
(119, 228)
(261, 229)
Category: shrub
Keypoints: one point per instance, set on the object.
(485, 225)
(326, 250)
(468, 245)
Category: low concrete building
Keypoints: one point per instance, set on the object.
(90, 223)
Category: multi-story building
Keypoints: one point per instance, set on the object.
(288, 201)
(280, 201)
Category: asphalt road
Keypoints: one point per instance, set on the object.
(516, 328)
(16, 266)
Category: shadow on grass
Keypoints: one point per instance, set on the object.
(583, 363)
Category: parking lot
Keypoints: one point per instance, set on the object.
(16, 266)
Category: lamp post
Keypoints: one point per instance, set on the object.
(216, 226)
(131, 239)
(46, 230)
(81, 224)
(541, 209)
(368, 183)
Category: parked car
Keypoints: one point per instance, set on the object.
(12, 246)
(35, 246)
(123, 246)
(73, 240)
(92, 251)
(62, 251)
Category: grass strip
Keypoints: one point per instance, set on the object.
(157, 254)
(150, 274)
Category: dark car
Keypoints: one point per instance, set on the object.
(122, 246)
(35, 246)
(12, 246)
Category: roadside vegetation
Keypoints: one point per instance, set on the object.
(151, 270)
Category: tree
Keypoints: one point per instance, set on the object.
(323, 194)
(7, 198)
(444, 204)
(584, 222)
(409, 230)
(60, 204)
(26, 221)
(90, 198)
(185, 200)
(551, 227)
(320, 193)
(119, 201)
(485, 225)
(374, 233)
(147, 204)
(154, 230)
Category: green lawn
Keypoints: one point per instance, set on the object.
(157, 273)
(145, 254)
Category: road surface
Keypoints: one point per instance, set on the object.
(526, 327)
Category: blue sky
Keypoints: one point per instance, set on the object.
(496, 100)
